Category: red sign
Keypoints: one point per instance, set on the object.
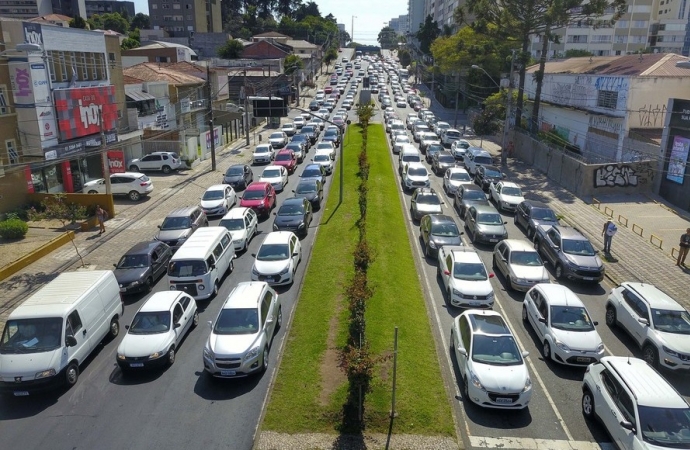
(116, 161)
(29, 180)
(85, 111)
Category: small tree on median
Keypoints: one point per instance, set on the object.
(57, 208)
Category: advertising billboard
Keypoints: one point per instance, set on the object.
(678, 159)
(116, 161)
(85, 111)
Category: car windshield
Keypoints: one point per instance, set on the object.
(262, 150)
(190, 268)
(571, 318)
(176, 223)
(150, 322)
(512, 191)
(271, 173)
(543, 214)
(490, 173)
(417, 171)
(469, 272)
(294, 147)
(299, 138)
(411, 158)
(495, 350)
(235, 171)
(324, 146)
(671, 321)
(213, 195)
(305, 188)
(291, 210)
(133, 262)
(284, 157)
(319, 158)
(473, 195)
(402, 139)
(665, 427)
(331, 133)
(530, 258)
(311, 173)
(232, 224)
(453, 134)
(483, 160)
(254, 194)
(446, 159)
(446, 229)
(460, 176)
(577, 247)
(273, 252)
(307, 129)
(433, 148)
(31, 335)
(237, 321)
(428, 199)
(489, 219)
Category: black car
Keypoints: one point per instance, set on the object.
(442, 161)
(485, 175)
(431, 150)
(314, 105)
(238, 176)
(309, 131)
(437, 230)
(295, 214)
(141, 266)
(531, 213)
(468, 195)
(314, 172)
(332, 135)
(302, 139)
(312, 190)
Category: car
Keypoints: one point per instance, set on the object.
(563, 325)
(297, 149)
(315, 105)
(259, 196)
(426, 139)
(440, 127)
(399, 141)
(475, 157)
(323, 113)
(490, 363)
(636, 405)
(303, 140)
(134, 185)
(418, 130)
(425, 201)
(299, 122)
(165, 162)
(396, 125)
(408, 154)
(263, 154)
(276, 176)
(286, 158)
(328, 89)
(323, 158)
(318, 123)
(141, 266)
(441, 162)
(312, 190)
(417, 105)
(242, 333)
(289, 129)
(314, 172)
(295, 214)
(218, 199)
(410, 120)
(520, 264)
(531, 213)
(437, 230)
(179, 224)
(310, 132)
(466, 281)
(415, 176)
(506, 195)
(467, 195)
(658, 324)
(242, 223)
(485, 225)
(339, 121)
(569, 252)
(326, 145)
(278, 139)
(277, 258)
(400, 102)
(431, 150)
(156, 331)
(486, 175)
(331, 135)
(450, 135)
(453, 178)
(238, 176)
(458, 149)
(320, 97)
(347, 104)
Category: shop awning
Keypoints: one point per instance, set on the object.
(138, 96)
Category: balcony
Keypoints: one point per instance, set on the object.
(187, 106)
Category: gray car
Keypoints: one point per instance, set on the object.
(180, 224)
(485, 225)
(437, 230)
(425, 201)
(467, 195)
(238, 176)
(141, 266)
(531, 213)
(441, 162)
(570, 253)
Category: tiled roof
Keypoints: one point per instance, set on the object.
(300, 43)
(156, 72)
(51, 18)
(270, 34)
(643, 65)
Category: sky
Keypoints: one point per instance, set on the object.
(370, 15)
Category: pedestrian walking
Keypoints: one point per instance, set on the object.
(101, 215)
(684, 247)
(609, 230)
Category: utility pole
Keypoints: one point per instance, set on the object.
(352, 27)
(246, 109)
(104, 155)
(457, 99)
(509, 108)
(210, 115)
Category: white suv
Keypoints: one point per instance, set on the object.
(636, 405)
(132, 184)
(657, 323)
(166, 162)
(415, 175)
(465, 278)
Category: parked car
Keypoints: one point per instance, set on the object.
(277, 258)
(658, 324)
(165, 162)
(157, 331)
(295, 214)
(530, 214)
(563, 325)
(520, 264)
(286, 158)
(218, 199)
(465, 278)
(437, 230)
(242, 223)
(238, 176)
(141, 266)
(453, 178)
(263, 154)
(570, 253)
(276, 175)
(491, 365)
(260, 196)
(134, 185)
(179, 225)
(441, 162)
(425, 201)
(467, 195)
(242, 333)
(312, 190)
(506, 195)
(485, 175)
(485, 225)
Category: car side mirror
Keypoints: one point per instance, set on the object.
(503, 175)
(115, 265)
(126, 327)
(491, 275)
(446, 272)
(254, 255)
(210, 324)
(596, 322)
(525, 354)
(542, 320)
(462, 351)
(505, 223)
(177, 325)
(295, 254)
(159, 227)
(643, 321)
(627, 425)
(70, 341)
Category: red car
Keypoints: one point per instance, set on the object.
(287, 159)
(259, 196)
(327, 89)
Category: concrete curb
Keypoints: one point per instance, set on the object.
(35, 255)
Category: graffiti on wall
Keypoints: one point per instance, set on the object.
(613, 125)
(623, 175)
(652, 115)
(576, 93)
(615, 84)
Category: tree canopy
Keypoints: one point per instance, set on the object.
(232, 49)
(427, 33)
(388, 38)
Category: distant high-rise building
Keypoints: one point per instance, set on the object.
(184, 19)
(415, 14)
(400, 24)
(27, 9)
(341, 26)
(125, 9)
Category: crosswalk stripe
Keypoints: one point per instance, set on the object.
(505, 443)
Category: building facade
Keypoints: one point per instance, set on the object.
(124, 8)
(183, 18)
(27, 9)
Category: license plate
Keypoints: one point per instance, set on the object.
(583, 359)
(21, 393)
(504, 400)
(123, 290)
(493, 240)
(475, 303)
(588, 278)
(270, 279)
(136, 364)
(228, 373)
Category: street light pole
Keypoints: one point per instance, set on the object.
(352, 28)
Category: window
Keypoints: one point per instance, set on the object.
(185, 302)
(623, 24)
(177, 313)
(12, 154)
(218, 251)
(266, 306)
(226, 241)
(165, 6)
(73, 323)
(154, 6)
(176, 6)
(178, 18)
(621, 40)
(4, 105)
(607, 99)
(94, 67)
(167, 18)
(577, 39)
(63, 66)
(625, 404)
(601, 39)
(84, 67)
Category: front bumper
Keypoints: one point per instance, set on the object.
(273, 279)
(573, 357)
(233, 366)
(499, 400)
(142, 363)
(579, 274)
(471, 301)
(131, 288)
(218, 211)
(27, 387)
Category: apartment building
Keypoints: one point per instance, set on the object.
(183, 18)
(441, 11)
(125, 9)
(27, 9)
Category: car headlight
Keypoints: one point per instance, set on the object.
(157, 355)
(432, 244)
(670, 352)
(251, 354)
(208, 353)
(285, 270)
(562, 346)
(475, 381)
(528, 385)
(301, 225)
(45, 374)
(456, 292)
(121, 357)
(600, 347)
(490, 296)
(255, 272)
(275, 227)
(201, 287)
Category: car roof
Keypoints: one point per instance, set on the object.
(182, 212)
(647, 385)
(569, 232)
(460, 253)
(485, 209)
(272, 167)
(262, 146)
(519, 245)
(161, 301)
(470, 187)
(246, 294)
(653, 295)
(458, 169)
(559, 295)
(127, 174)
(257, 185)
(487, 322)
(236, 213)
(287, 150)
(278, 237)
(509, 184)
(415, 165)
(488, 167)
(295, 200)
(143, 248)
(536, 204)
(218, 187)
(440, 218)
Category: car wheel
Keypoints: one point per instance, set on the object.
(166, 169)
(149, 284)
(438, 271)
(71, 374)
(587, 404)
(427, 253)
(650, 355)
(93, 192)
(134, 168)
(493, 262)
(279, 320)
(171, 356)
(114, 329)
(524, 314)
(515, 220)
(559, 271)
(134, 196)
(546, 351)
(231, 267)
(530, 233)
(195, 319)
(264, 360)
(465, 389)
(610, 316)
(215, 289)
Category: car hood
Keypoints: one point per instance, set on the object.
(491, 229)
(276, 140)
(126, 276)
(481, 287)
(210, 204)
(530, 272)
(418, 178)
(271, 180)
(578, 340)
(583, 260)
(94, 182)
(678, 342)
(469, 203)
(228, 345)
(508, 379)
(546, 224)
(238, 235)
(445, 240)
(513, 200)
(270, 267)
(138, 345)
(167, 235)
(289, 221)
(26, 365)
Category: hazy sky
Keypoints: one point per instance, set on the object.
(370, 15)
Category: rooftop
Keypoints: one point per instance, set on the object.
(157, 72)
(643, 65)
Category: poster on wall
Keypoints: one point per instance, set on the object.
(678, 159)
(85, 111)
(116, 161)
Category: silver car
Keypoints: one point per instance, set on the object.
(425, 201)
(485, 225)
(520, 264)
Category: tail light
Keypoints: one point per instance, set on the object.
(144, 183)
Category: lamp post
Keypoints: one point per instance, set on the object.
(352, 29)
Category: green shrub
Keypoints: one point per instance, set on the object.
(13, 229)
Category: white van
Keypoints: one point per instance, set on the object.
(408, 154)
(199, 265)
(49, 335)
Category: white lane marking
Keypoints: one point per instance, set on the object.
(537, 444)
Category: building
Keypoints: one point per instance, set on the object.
(124, 8)
(400, 24)
(27, 9)
(441, 11)
(158, 52)
(341, 27)
(416, 15)
(184, 18)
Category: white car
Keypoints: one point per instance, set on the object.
(410, 120)
(506, 195)
(449, 136)
(454, 177)
(299, 122)
(157, 331)
(492, 367)
(458, 149)
(520, 264)
(323, 158)
(326, 145)
(263, 153)
(163, 161)
(465, 279)
(278, 139)
(418, 130)
(276, 175)
(242, 223)
(563, 325)
(242, 334)
(132, 184)
(399, 141)
(218, 199)
(439, 127)
(415, 175)
(277, 258)
(323, 113)
(289, 129)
